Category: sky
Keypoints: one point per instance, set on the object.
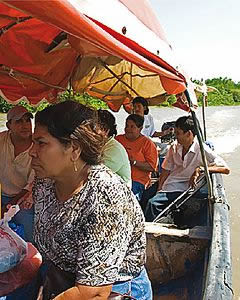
(205, 34)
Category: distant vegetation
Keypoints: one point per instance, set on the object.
(228, 93)
(82, 98)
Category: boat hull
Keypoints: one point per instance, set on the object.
(193, 262)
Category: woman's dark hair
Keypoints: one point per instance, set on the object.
(71, 121)
(144, 103)
(186, 123)
(107, 121)
(138, 120)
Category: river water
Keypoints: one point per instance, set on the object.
(223, 129)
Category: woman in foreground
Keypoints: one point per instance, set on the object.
(88, 225)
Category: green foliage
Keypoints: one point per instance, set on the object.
(4, 106)
(228, 92)
(67, 95)
(83, 98)
(169, 102)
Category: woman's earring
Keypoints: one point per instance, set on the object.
(75, 166)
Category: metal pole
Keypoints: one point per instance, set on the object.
(200, 140)
(203, 116)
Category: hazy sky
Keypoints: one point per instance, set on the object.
(205, 34)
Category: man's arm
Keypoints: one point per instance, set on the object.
(26, 201)
(23, 199)
(150, 153)
(212, 169)
(162, 133)
(162, 178)
(15, 200)
(217, 169)
(142, 165)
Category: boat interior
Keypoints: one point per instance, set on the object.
(177, 250)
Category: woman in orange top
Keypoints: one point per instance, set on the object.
(142, 153)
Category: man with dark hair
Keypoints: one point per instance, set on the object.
(140, 107)
(142, 154)
(182, 166)
(16, 175)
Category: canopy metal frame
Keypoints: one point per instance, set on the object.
(201, 141)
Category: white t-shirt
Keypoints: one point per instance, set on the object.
(182, 170)
(15, 173)
(148, 126)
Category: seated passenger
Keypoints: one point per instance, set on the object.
(88, 225)
(140, 107)
(142, 154)
(114, 154)
(16, 175)
(182, 166)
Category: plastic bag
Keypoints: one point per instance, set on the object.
(13, 248)
(19, 261)
(23, 273)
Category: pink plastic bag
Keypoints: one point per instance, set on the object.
(13, 248)
(23, 273)
(19, 261)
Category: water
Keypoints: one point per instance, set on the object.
(223, 129)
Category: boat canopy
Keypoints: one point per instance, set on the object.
(111, 49)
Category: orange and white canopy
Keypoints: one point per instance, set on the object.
(112, 49)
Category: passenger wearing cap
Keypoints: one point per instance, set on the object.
(16, 175)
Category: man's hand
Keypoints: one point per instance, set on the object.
(23, 199)
(163, 176)
(195, 176)
(26, 201)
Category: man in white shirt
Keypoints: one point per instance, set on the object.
(16, 175)
(182, 166)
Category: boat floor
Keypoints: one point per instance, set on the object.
(172, 251)
(184, 288)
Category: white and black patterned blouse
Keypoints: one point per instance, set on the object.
(98, 234)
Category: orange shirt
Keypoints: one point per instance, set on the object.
(144, 150)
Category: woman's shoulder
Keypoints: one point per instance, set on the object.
(104, 181)
(102, 174)
(113, 193)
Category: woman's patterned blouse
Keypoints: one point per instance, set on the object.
(98, 234)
